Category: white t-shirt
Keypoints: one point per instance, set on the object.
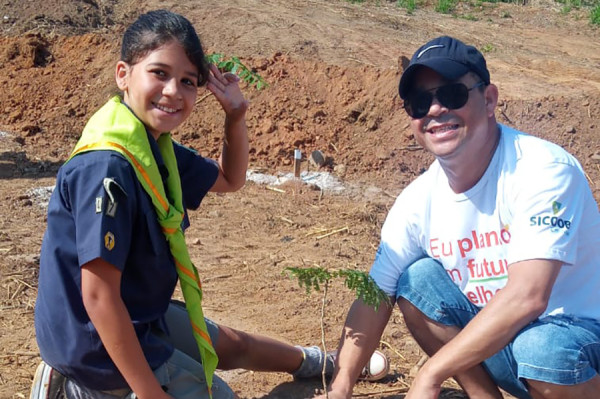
(533, 202)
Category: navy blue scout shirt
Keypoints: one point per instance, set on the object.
(83, 224)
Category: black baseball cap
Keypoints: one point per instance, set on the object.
(449, 57)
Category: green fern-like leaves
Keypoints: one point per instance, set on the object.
(234, 65)
(364, 286)
(312, 278)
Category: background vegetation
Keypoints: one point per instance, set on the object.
(590, 7)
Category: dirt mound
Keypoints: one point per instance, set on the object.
(332, 69)
(58, 17)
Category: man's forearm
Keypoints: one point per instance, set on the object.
(522, 300)
(360, 337)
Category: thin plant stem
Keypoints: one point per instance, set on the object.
(326, 286)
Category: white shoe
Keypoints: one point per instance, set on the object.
(47, 383)
(312, 365)
(377, 367)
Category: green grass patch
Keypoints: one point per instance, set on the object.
(595, 15)
(445, 6)
(570, 3)
(519, 2)
(565, 10)
(449, 7)
(409, 5)
(487, 48)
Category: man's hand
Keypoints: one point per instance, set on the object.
(523, 299)
(333, 395)
(360, 336)
(424, 386)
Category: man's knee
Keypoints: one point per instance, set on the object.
(422, 274)
(426, 286)
(554, 351)
(545, 390)
(559, 357)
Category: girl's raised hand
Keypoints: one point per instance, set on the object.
(226, 89)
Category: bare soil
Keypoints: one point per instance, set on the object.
(332, 69)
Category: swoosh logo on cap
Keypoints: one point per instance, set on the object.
(429, 48)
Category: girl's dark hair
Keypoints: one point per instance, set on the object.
(156, 28)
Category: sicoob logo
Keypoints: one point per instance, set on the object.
(551, 220)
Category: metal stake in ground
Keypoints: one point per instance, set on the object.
(297, 162)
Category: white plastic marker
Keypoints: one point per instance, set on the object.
(297, 162)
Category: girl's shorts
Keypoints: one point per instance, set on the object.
(560, 349)
(182, 375)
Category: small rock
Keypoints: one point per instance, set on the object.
(31, 130)
(268, 126)
(319, 114)
(373, 124)
(340, 169)
(352, 116)
(382, 154)
(316, 158)
(15, 116)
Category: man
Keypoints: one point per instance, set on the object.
(493, 254)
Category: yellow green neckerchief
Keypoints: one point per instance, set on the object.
(114, 127)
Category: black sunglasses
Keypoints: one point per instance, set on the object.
(451, 96)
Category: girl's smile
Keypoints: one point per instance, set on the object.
(161, 88)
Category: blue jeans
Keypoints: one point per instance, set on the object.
(561, 349)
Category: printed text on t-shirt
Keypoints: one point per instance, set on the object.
(482, 272)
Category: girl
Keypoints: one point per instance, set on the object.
(114, 249)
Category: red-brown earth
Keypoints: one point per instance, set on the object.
(332, 69)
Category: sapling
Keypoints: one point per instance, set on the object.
(364, 287)
(234, 65)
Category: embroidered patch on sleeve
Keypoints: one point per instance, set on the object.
(109, 241)
(111, 209)
(112, 188)
(98, 204)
